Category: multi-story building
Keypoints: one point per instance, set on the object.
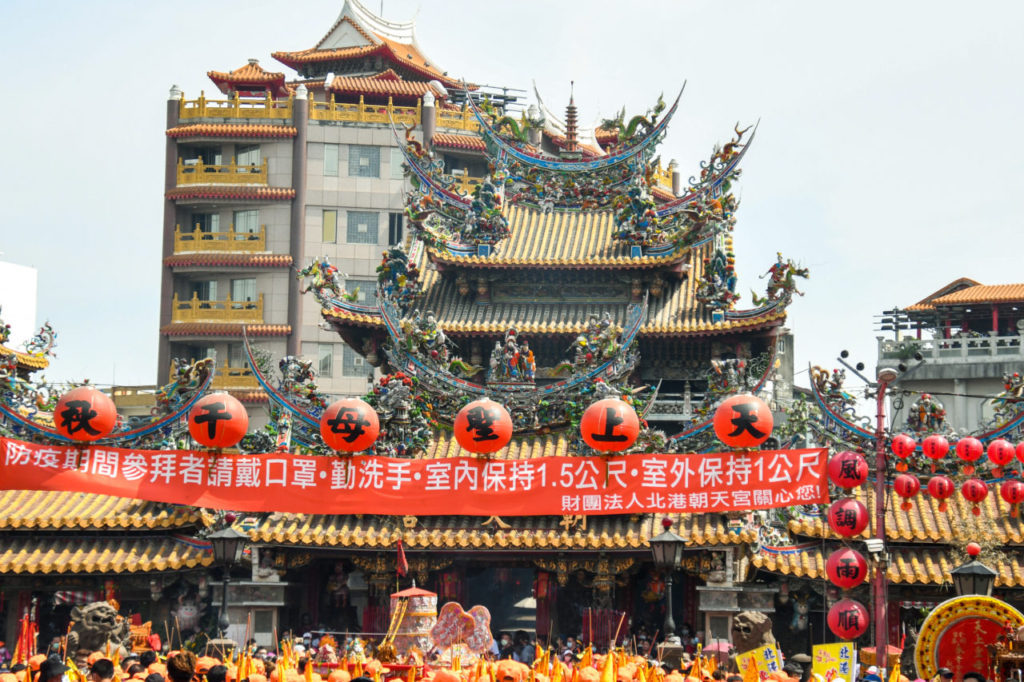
(974, 350)
(282, 172)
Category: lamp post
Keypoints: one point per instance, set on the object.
(973, 577)
(667, 550)
(227, 550)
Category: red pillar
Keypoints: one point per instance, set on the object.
(995, 319)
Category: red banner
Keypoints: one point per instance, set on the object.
(619, 484)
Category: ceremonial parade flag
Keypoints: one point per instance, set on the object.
(608, 672)
(402, 565)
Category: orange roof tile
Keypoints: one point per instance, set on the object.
(984, 293)
(449, 141)
(381, 86)
(44, 555)
(57, 510)
(224, 329)
(230, 260)
(29, 360)
(230, 130)
(251, 396)
(236, 192)
(250, 74)
(926, 302)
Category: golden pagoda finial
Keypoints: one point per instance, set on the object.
(570, 120)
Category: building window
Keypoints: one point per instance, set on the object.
(247, 155)
(330, 227)
(362, 227)
(236, 355)
(395, 228)
(363, 161)
(204, 290)
(352, 363)
(325, 360)
(397, 159)
(367, 290)
(206, 222)
(247, 222)
(243, 290)
(331, 159)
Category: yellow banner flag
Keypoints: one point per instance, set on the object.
(587, 659)
(608, 672)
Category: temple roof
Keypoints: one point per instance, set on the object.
(973, 293)
(473, 143)
(31, 361)
(48, 555)
(250, 77)
(224, 329)
(359, 33)
(559, 239)
(907, 566)
(229, 260)
(926, 303)
(231, 192)
(43, 510)
(924, 523)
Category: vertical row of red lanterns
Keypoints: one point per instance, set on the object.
(846, 567)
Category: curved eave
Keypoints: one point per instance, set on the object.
(346, 317)
(230, 192)
(31, 361)
(229, 131)
(595, 263)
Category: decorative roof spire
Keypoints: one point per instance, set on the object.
(570, 121)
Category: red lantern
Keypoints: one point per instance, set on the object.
(610, 425)
(848, 470)
(940, 488)
(906, 486)
(846, 568)
(1013, 492)
(974, 490)
(935, 446)
(85, 414)
(848, 619)
(218, 420)
(847, 517)
(903, 446)
(483, 426)
(743, 421)
(1000, 453)
(969, 450)
(349, 425)
(1020, 452)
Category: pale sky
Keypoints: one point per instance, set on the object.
(887, 161)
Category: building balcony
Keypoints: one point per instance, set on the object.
(364, 113)
(199, 173)
(954, 351)
(199, 310)
(220, 242)
(235, 379)
(457, 120)
(267, 108)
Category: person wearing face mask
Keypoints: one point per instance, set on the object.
(505, 647)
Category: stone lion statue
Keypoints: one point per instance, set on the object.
(95, 625)
(751, 630)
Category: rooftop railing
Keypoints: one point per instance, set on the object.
(195, 172)
(954, 350)
(220, 242)
(200, 310)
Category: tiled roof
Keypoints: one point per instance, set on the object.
(350, 317)
(574, 239)
(29, 360)
(231, 130)
(229, 260)
(926, 302)
(251, 397)
(386, 83)
(224, 329)
(249, 73)
(908, 566)
(984, 293)
(44, 510)
(675, 312)
(450, 141)
(403, 54)
(44, 555)
(231, 192)
(622, 532)
(923, 522)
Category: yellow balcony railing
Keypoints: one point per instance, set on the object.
(663, 177)
(220, 242)
(234, 108)
(364, 113)
(199, 173)
(457, 120)
(235, 379)
(198, 310)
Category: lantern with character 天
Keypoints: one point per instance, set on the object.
(743, 421)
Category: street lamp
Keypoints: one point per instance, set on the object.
(973, 577)
(667, 550)
(227, 550)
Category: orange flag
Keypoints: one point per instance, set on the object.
(608, 672)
